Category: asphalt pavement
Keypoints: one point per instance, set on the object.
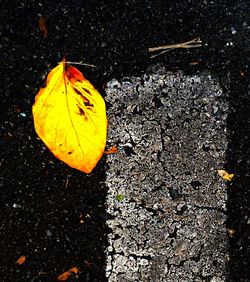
(157, 207)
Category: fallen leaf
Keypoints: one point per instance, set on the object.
(21, 260)
(65, 276)
(112, 150)
(70, 117)
(194, 63)
(231, 232)
(225, 175)
(119, 197)
(42, 26)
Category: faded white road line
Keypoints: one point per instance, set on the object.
(166, 198)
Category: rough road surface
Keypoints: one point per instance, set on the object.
(167, 201)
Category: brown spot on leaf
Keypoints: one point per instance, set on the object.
(85, 100)
(86, 90)
(81, 111)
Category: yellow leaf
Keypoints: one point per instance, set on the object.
(225, 175)
(65, 276)
(70, 117)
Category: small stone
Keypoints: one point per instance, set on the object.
(233, 31)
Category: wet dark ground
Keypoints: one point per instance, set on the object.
(43, 200)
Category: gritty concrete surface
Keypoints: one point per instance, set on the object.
(167, 201)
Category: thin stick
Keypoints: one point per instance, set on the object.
(80, 63)
(195, 43)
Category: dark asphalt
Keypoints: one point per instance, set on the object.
(39, 216)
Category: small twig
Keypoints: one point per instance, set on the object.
(67, 181)
(195, 43)
(80, 63)
(188, 44)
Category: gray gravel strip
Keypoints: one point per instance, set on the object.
(167, 201)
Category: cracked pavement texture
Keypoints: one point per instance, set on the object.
(166, 199)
